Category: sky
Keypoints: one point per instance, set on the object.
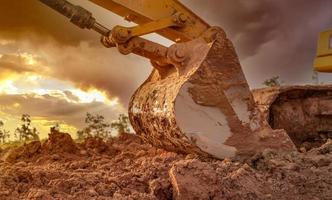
(57, 72)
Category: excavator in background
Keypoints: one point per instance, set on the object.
(323, 61)
(197, 99)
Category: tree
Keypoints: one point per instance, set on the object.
(55, 128)
(96, 127)
(4, 135)
(26, 132)
(122, 124)
(315, 77)
(81, 135)
(272, 82)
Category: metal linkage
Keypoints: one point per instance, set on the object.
(122, 34)
(124, 38)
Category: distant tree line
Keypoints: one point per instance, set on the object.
(274, 81)
(4, 134)
(25, 132)
(96, 126)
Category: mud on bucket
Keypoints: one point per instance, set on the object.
(203, 105)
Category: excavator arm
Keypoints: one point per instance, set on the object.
(196, 99)
(168, 18)
(142, 12)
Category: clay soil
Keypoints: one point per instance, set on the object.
(127, 168)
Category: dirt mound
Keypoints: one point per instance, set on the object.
(304, 112)
(59, 143)
(127, 168)
(269, 175)
(27, 151)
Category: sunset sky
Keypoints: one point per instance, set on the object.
(57, 72)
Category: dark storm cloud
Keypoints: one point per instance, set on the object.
(271, 37)
(251, 24)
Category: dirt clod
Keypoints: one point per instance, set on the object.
(59, 143)
(127, 168)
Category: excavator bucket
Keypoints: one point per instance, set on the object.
(196, 99)
(204, 105)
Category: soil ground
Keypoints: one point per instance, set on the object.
(127, 168)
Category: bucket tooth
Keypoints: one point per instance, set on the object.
(204, 105)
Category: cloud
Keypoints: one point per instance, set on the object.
(18, 19)
(251, 24)
(85, 65)
(271, 37)
(20, 63)
(66, 52)
(70, 96)
(55, 107)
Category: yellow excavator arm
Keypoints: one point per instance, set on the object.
(168, 18)
(323, 61)
(146, 11)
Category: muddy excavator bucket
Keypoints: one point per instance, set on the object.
(204, 105)
(197, 99)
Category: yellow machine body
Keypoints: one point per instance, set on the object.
(323, 61)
